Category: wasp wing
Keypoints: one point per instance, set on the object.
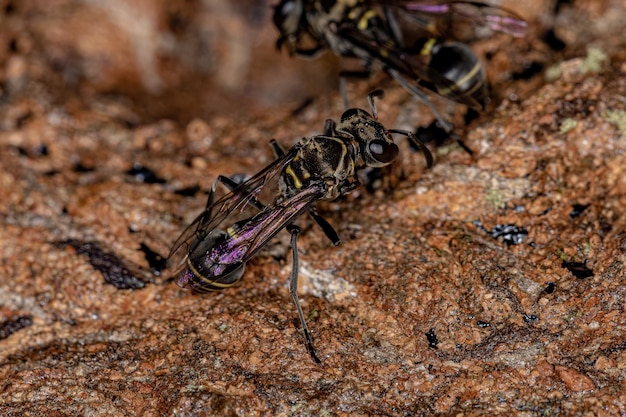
(247, 237)
(385, 52)
(405, 63)
(450, 69)
(439, 17)
(216, 213)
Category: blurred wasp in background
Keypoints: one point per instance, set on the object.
(210, 255)
(413, 40)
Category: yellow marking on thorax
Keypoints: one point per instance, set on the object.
(428, 46)
(296, 181)
(362, 24)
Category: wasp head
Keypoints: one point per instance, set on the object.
(375, 143)
(288, 18)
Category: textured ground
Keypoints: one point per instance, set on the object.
(115, 119)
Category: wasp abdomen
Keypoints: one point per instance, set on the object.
(461, 75)
(203, 273)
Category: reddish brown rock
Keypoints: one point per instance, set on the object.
(110, 138)
(574, 380)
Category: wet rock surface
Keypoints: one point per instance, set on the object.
(491, 284)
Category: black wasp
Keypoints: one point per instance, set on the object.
(212, 252)
(411, 39)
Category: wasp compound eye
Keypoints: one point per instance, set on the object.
(287, 15)
(380, 152)
(282, 11)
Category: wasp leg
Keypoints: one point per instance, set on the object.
(232, 186)
(209, 200)
(307, 53)
(370, 99)
(277, 148)
(342, 83)
(293, 288)
(446, 125)
(462, 144)
(326, 227)
(393, 27)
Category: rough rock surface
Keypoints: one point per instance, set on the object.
(491, 284)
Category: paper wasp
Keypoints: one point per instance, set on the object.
(411, 39)
(212, 252)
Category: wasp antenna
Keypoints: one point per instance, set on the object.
(462, 144)
(277, 148)
(370, 100)
(344, 92)
(427, 154)
(330, 128)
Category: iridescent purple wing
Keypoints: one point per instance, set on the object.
(253, 233)
(480, 14)
(230, 205)
(218, 261)
(416, 66)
